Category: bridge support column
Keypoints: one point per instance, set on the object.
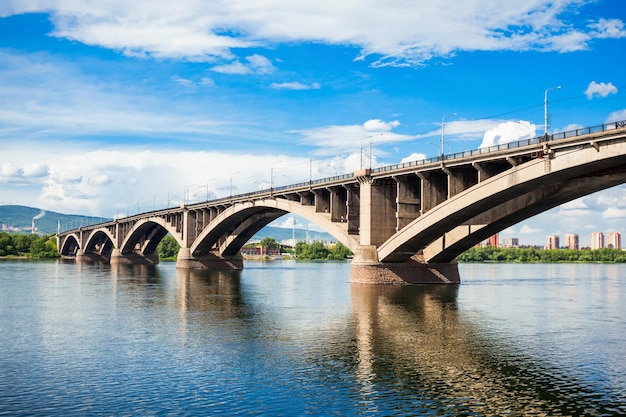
(117, 258)
(366, 269)
(81, 256)
(210, 261)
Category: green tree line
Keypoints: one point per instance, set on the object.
(528, 255)
(31, 245)
(317, 250)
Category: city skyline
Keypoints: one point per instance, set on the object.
(109, 108)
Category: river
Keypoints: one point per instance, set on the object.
(293, 338)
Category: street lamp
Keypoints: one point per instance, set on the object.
(545, 109)
(333, 167)
(527, 126)
(231, 182)
(272, 175)
(370, 138)
(443, 123)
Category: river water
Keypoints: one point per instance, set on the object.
(296, 338)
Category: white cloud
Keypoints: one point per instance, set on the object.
(8, 170)
(377, 125)
(100, 180)
(414, 157)
(331, 140)
(508, 132)
(30, 173)
(295, 86)
(527, 230)
(35, 170)
(183, 81)
(608, 28)
(614, 213)
(577, 204)
(256, 64)
(617, 116)
(197, 30)
(600, 89)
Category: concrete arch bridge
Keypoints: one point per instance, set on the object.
(404, 223)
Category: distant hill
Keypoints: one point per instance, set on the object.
(19, 219)
(280, 234)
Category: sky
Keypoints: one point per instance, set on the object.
(112, 107)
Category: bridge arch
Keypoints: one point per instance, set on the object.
(523, 191)
(99, 242)
(232, 228)
(145, 236)
(69, 245)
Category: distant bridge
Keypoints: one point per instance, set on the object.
(405, 222)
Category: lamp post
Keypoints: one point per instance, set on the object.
(370, 138)
(527, 126)
(272, 175)
(333, 167)
(443, 123)
(231, 182)
(545, 109)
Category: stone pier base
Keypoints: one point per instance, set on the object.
(367, 270)
(210, 261)
(134, 259)
(90, 258)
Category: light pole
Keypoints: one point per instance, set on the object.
(272, 175)
(370, 138)
(333, 167)
(207, 188)
(527, 126)
(545, 109)
(443, 123)
(231, 183)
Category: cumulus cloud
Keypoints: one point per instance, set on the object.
(527, 230)
(616, 116)
(331, 140)
(508, 132)
(29, 173)
(100, 180)
(414, 157)
(208, 31)
(377, 125)
(614, 213)
(600, 89)
(35, 170)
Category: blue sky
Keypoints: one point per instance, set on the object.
(110, 106)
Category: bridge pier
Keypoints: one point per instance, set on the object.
(366, 269)
(210, 261)
(117, 258)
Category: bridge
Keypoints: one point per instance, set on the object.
(405, 223)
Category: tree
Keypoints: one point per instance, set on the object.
(269, 242)
(168, 247)
(7, 246)
(44, 247)
(339, 251)
(315, 250)
(23, 242)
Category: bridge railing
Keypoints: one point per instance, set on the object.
(506, 146)
(473, 152)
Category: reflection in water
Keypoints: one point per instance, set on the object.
(289, 338)
(413, 336)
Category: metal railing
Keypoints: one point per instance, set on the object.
(448, 157)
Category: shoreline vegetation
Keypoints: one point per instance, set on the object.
(535, 255)
(28, 246)
(33, 246)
